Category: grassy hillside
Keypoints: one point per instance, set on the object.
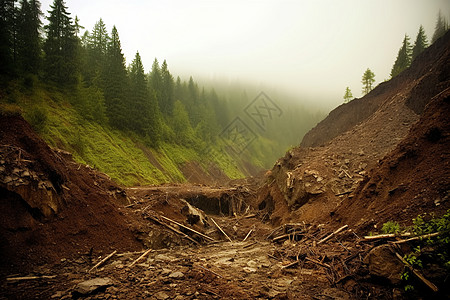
(123, 156)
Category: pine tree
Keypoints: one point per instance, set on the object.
(166, 100)
(441, 27)
(420, 44)
(367, 80)
(403, 60)
(8, 13)
(155, 80)
(61, 45)
(96, 48)
(28, 37)
(116, 83)
(348, 95)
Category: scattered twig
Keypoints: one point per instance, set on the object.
(30, 278)
(190, 229)
(103, 261)
(386, 236)
(140, 257)
(249, 245)
(290, 265)
(223, 232)
(425, 236)
(218, 275)
(248, 234)
(332, 234)
(174, 230)
(318, 262)
(418, 275)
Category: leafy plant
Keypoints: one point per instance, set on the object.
(390, 227)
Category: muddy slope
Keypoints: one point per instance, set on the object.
(50, 205)
(311, 183)
(413, 178)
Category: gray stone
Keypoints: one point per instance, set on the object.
(176, 275)
(92, 286)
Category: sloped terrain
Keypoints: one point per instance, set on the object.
(310, 183)
(51, 205)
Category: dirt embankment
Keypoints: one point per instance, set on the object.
(52, 207)
(311, 183)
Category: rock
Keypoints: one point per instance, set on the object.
(194, 215)
(166, 272)
(161, 296)
(92, 286)
(176, 275)
(383, 263)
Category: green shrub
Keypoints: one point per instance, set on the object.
(37, 117)
(390, 227)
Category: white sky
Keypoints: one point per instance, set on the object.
(312, 48)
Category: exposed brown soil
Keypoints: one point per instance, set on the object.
(310, 184)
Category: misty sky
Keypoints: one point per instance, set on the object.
(312, 48)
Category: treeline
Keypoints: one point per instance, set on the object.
(92, 67)
(406, 55)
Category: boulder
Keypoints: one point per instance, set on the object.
(383, 263)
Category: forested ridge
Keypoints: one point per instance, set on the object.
(74, 87)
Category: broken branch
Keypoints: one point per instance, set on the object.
(217, 225)
(140, 257)
(332, 234)
(103, 261)
(30, 278)
(425, 236)
(248, 234)
(418, 275)
(190, 229)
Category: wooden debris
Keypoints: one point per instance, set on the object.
(318, 262)
(140, 257)
(103, 260)
(218, 275)
(190, 229)
(223, 232)
(249, 245)
(174, 229)
(386, 236)
(248, 234)
(332, 234)
(290, 265)
(30, 278)
(418, 275)
(425, 236)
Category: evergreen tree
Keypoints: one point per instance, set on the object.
(367, 80)
(403, 60)
(441, 27)
(348, 95)
(155, 80)
(61, 45)
(116, 83)
(181, 125)
(166, 100)
(8, 13)
(28, 37)
(96, 48)
(420, 44)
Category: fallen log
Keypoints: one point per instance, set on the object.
(103, 261)
(332, 234)
(223, 232)
(418, 275)
(140, 257)
(190, 229)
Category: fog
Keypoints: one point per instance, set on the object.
(313, 49)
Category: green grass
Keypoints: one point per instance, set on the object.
(122, 156)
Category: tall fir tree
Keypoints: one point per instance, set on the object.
(8, 13)
(420, 44)
(96, 48)
(28, 37)
(116, 84)
(155, 80)
(61, 46)
(403, 60)
(166, 100)
(367, 80)
(440, 28)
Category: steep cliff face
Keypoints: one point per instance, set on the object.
(310, 182)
